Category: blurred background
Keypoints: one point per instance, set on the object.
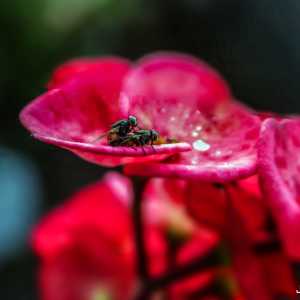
(254, 44)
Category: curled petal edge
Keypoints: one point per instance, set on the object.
(116, 151)
(283, 205)
(190, 172)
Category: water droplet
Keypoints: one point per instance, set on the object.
(200, 145)
(195, 133)
(218, 153)
(194, 161)
(221, 154)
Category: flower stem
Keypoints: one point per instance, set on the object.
(205, 262)
(137, 215)
(296, 273)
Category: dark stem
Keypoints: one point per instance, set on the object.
(137, 217)
(210, 260)
(173, 247)
(266, 247)
(296, 273)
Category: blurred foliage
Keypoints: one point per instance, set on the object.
(19, 182)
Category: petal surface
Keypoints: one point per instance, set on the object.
(170, 78)
(105, 66)
(279, 171)
(223, 143)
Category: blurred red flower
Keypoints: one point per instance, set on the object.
(87, 246)
(240, 214)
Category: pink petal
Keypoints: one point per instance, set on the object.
(84, 105)
(105, 66)
(224, 144)
(170, 79)
(74, 115)
(279, 170)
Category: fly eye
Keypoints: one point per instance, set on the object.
(132, 120)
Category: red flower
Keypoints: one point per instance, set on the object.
(87, 247)
(83, 248)
(179, 96)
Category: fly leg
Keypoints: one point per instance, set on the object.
(144, 151)
(153, 149)
(141, 144)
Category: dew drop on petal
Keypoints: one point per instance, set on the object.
(194, 161)
(218, 153)
(200, 145)
(195, 133)
(221, 154)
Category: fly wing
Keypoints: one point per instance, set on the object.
(119, 123)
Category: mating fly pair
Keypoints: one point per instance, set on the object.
(126, 132)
